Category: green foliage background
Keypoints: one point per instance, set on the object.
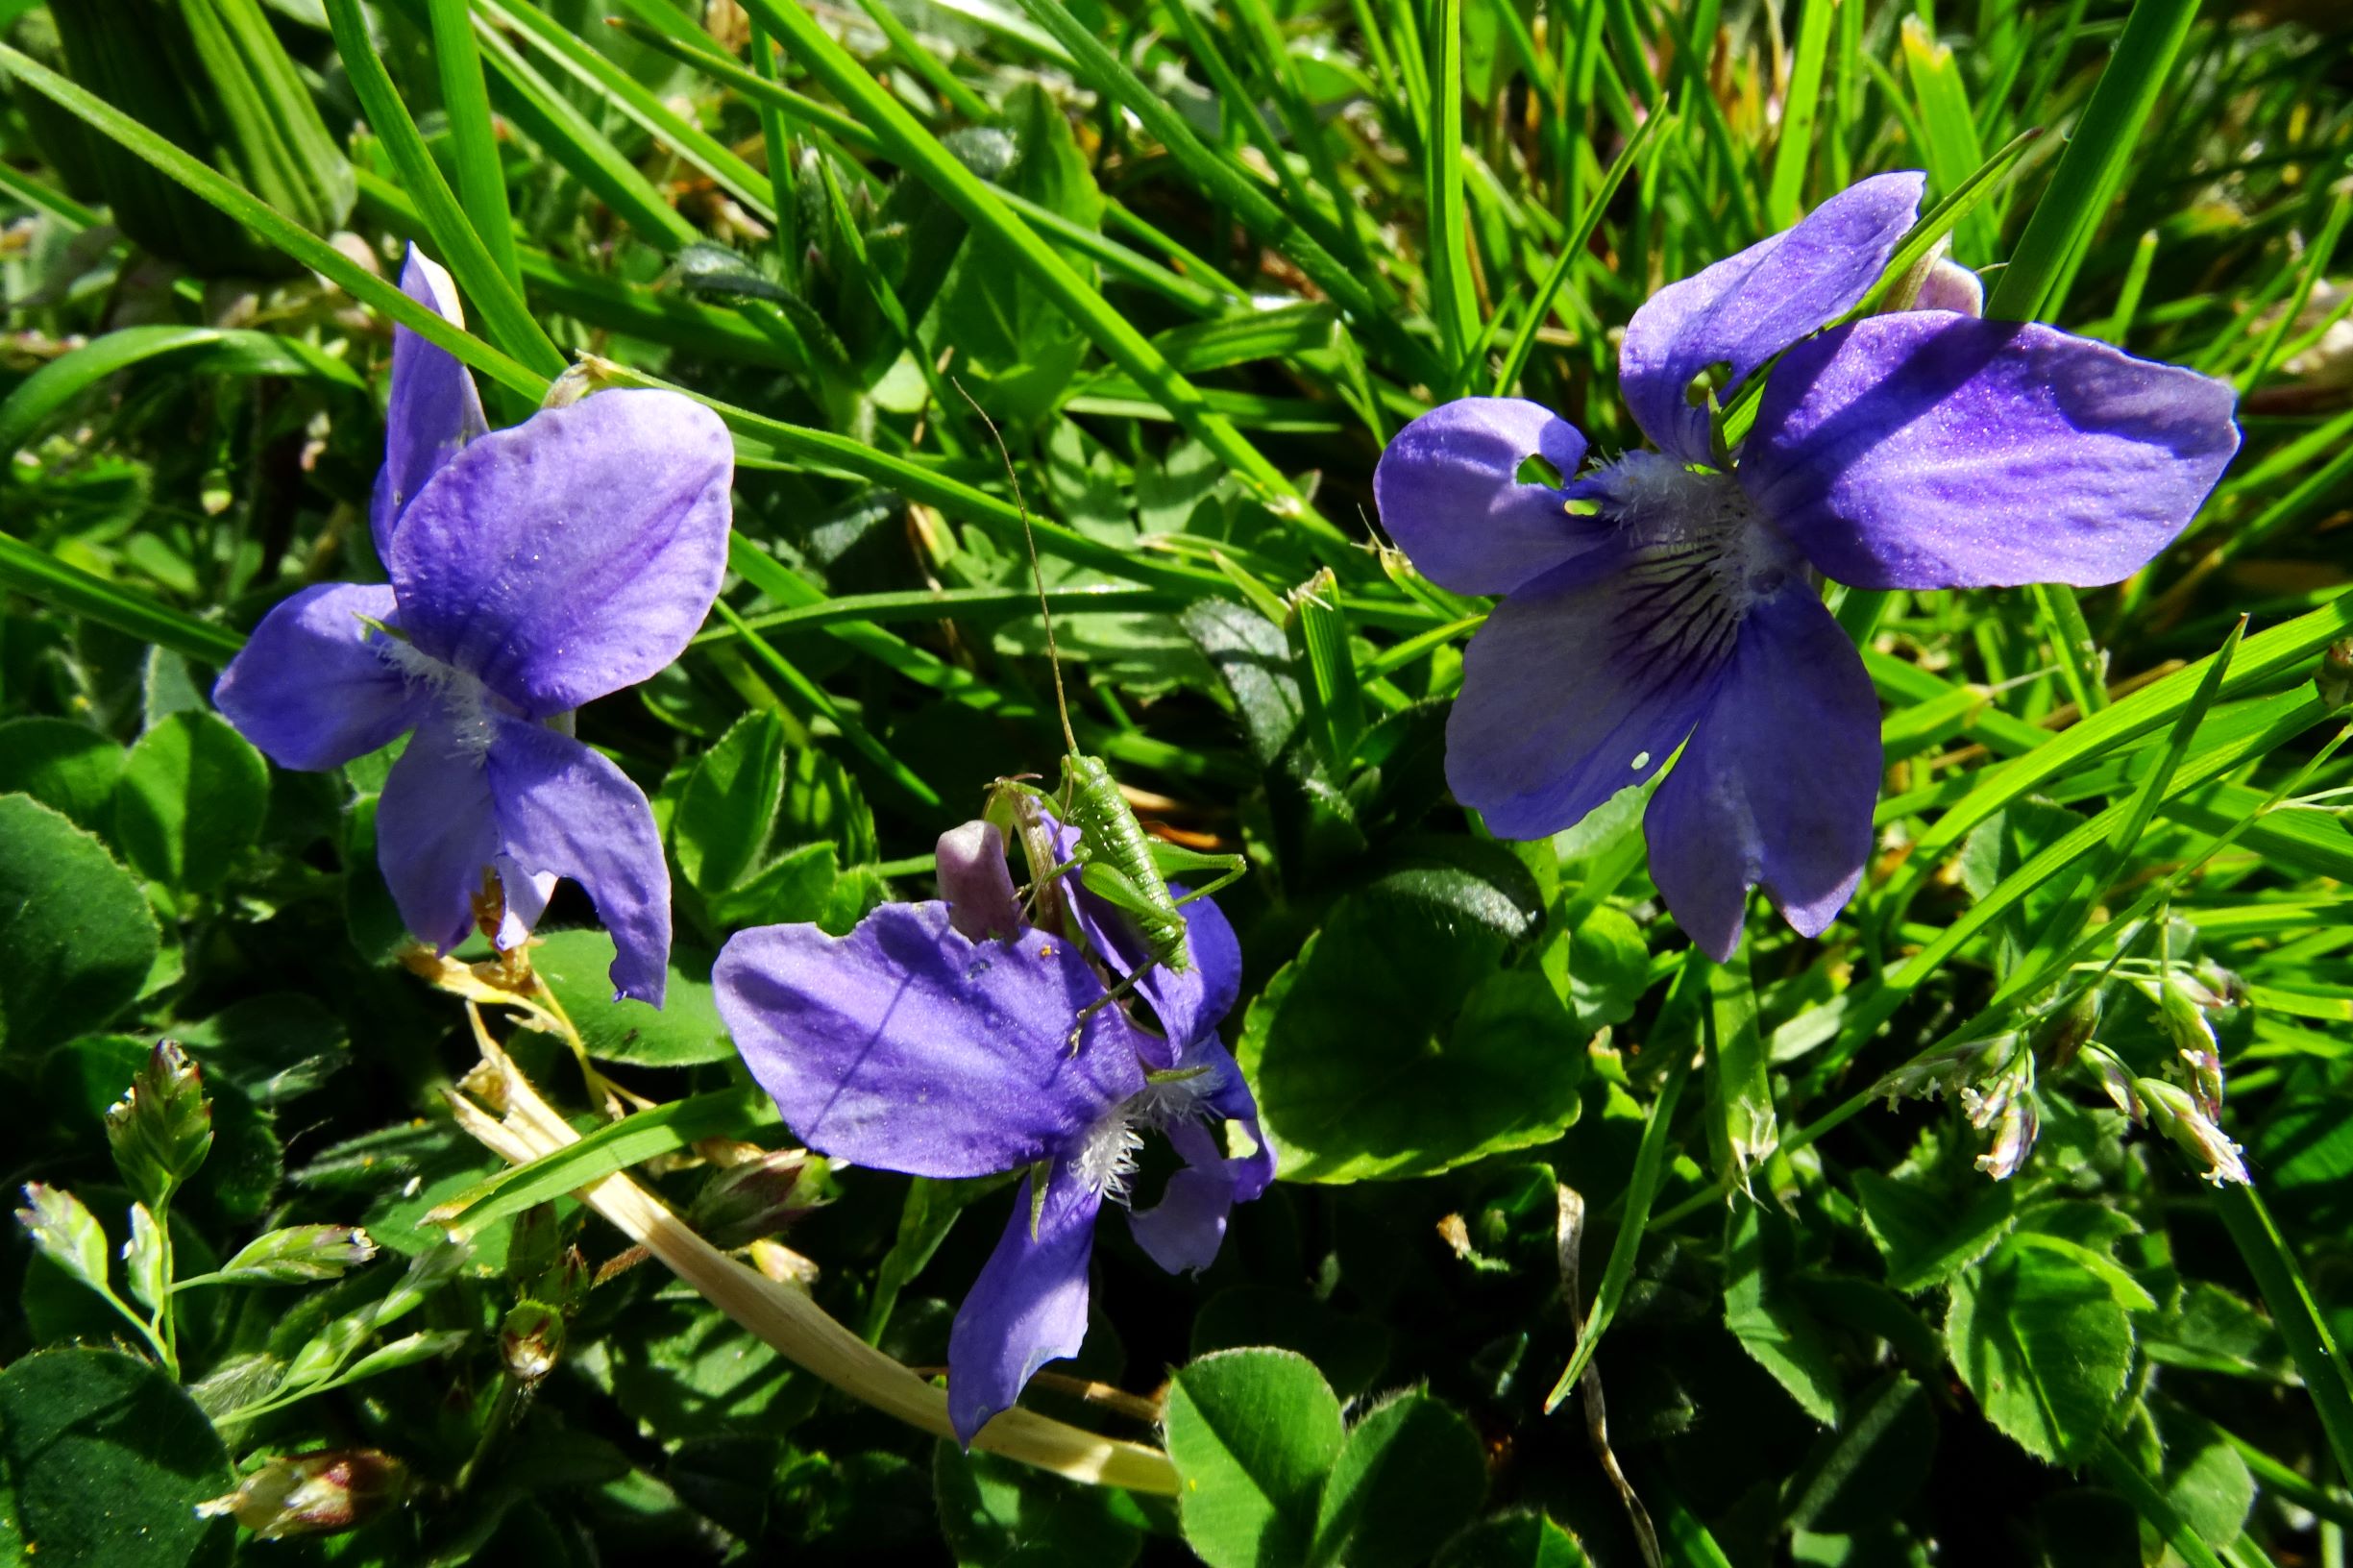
(1198, 259)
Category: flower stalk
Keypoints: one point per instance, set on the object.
(789, 1320)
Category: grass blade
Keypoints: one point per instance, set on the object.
(498, 302)
(1224, 183)
(1447, 262)
(465, 98)
(192, 350)
(1794, 148)
(1523, 341)
(275, 227)
(52, 581)
(2092, 168)
(1641, 1188)
(1114, 334)
(2296, 1314)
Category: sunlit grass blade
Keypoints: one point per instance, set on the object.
(1115, 259)
(2281, 719)
(557, 125)
(642, 1135)
(191, 350)
(272, 226)
(816, 699)
(1572, 250)
(761, 439)
(977, 605)
(44, 578)
(1793, 147)
(1222, 181)
(505, 316)
(2065, 919)
(1953, 150)
(1446, 256)
(2093, 166)
(465, 98)
(1641, 1188)
(2080, 665)
(933, 71)
(2259, 658)
(2294, 1311)
(696, 148)
(2316, 258)
(992, 221)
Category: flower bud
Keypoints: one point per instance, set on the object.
(1949, 285)
(2022, 1122)
(66, 1232)
(760, 1194)
(313, 1494)
(977, 884)
(2064, 1032)
(531, 1339)
(161, 1128)
(2117, 1081)
(299, 1255)
(2198, 1136)
(2334, 680)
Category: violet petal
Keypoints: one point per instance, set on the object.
(1928, 449)
(1183, 1232)
(1749, 308)
(526, 894)
(1580, 684)
(309, 687)
(1028, 1307)
(434, 408)
(564, 808)
(435, 831)
(907, 1046)
(1777, 787)
(573, 555)
(1449, 491)
(1224, 1090)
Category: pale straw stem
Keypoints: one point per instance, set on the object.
(792, 1322)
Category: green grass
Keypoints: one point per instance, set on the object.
(1198, 262)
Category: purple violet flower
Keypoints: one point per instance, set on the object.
(533, 569)
(1661, 602)
(927, 1041)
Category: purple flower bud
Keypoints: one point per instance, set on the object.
(1949, 285)
(977, 884)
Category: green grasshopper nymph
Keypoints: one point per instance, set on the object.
(1114, 858)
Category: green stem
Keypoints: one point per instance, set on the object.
(2296, 1314)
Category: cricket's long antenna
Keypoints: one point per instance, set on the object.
(1062, 705)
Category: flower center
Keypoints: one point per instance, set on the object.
(464, 699)
(1699, 557)
(1107, 1158)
